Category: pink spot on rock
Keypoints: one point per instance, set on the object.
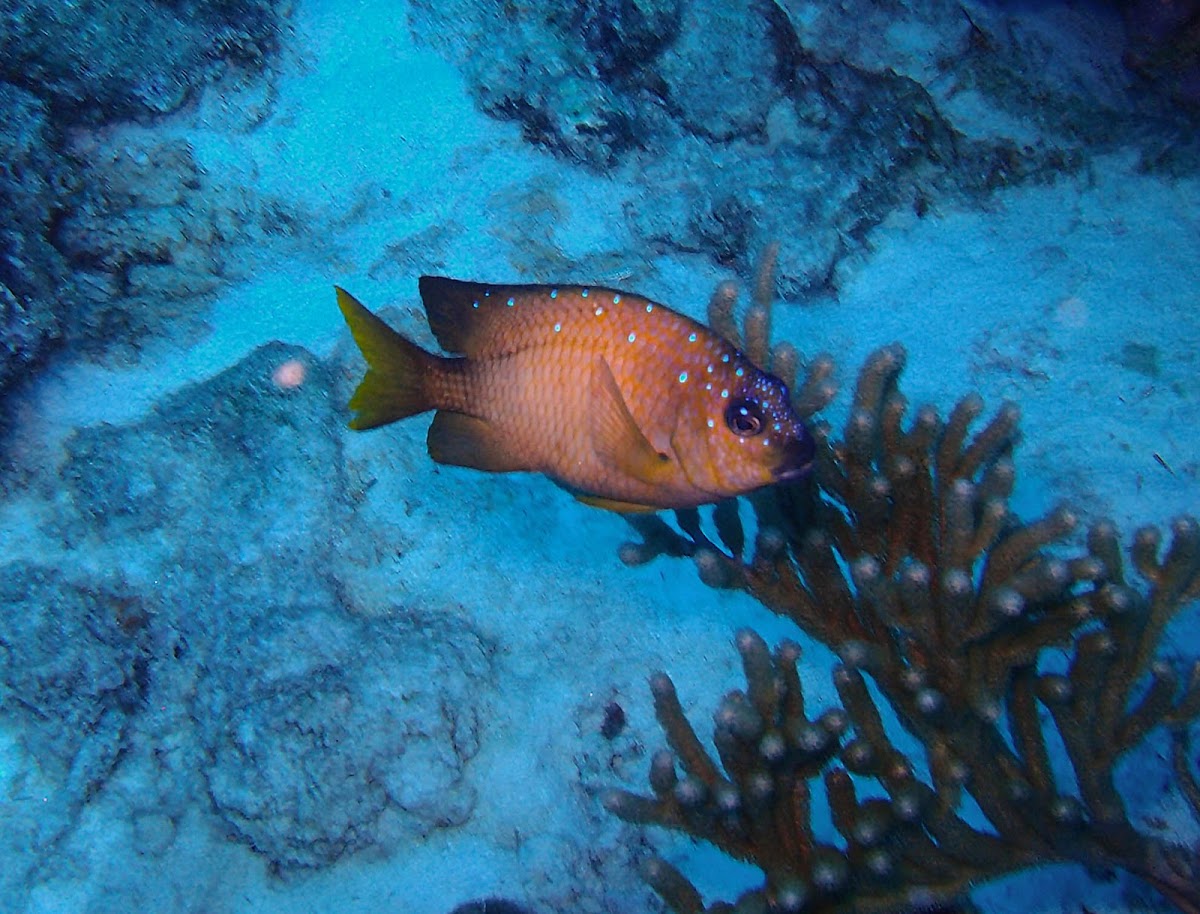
(289, 375)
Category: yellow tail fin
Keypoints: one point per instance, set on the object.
(396, 383)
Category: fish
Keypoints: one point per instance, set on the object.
(628, 405)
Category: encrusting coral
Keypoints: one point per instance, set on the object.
(987, 639)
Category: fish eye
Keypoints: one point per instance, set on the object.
(744, 418)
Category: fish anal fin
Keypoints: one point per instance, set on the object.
(616, 438)
(612, 504)
(465, 441)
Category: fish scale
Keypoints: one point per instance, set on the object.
(626, 403)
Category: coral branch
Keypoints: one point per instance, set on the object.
(944, 608)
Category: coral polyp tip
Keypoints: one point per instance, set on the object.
(830, 871)
(1184, 526)
(811, 738)
(1010, 412)
(1055, 688)
(1008, 603)
(915, 574)
(906, 803)
(1118, 600)
(903, 467)
(612, 800)
(789, 652)
(1018, 791)
(879, 863)
(835, 721)
(772, 747)
(951, 618)
(662, 772)
(770, 543)
(858, 755)
(634, 554)
(865, 570)
(761, 787)
(1147, 537)
(988, 708)
(690, 793)
(746, 639)
(727, 799)
(956, 583)
(854, 655)
(791, 897)
(930, 702)
(712, 568)
(871, 827)
(1066, 810)
(661, 685)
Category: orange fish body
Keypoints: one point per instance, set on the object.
(627, 403)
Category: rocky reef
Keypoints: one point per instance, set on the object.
(225, 669)
(745, 120)
(88, 221)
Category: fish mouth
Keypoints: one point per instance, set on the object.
(797, 462)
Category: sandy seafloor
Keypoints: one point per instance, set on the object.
(1034, 298)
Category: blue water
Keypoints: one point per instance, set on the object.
(253, 661)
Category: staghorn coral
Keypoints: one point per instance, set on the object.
(987, 639)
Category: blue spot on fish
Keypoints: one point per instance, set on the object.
(554, 293)
(632, 337)
(584, 293)
(692, 339)
(616, 299)
(511, 302)
(682, 377)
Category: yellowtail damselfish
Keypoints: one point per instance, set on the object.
(626, 403)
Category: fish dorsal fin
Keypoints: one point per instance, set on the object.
(469, 318)
(464, 441)
(616, 438)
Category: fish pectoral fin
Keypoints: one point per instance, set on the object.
(611, 504)
(616, 438)
(465, 441)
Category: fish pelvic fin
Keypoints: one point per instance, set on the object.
(396, 384)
